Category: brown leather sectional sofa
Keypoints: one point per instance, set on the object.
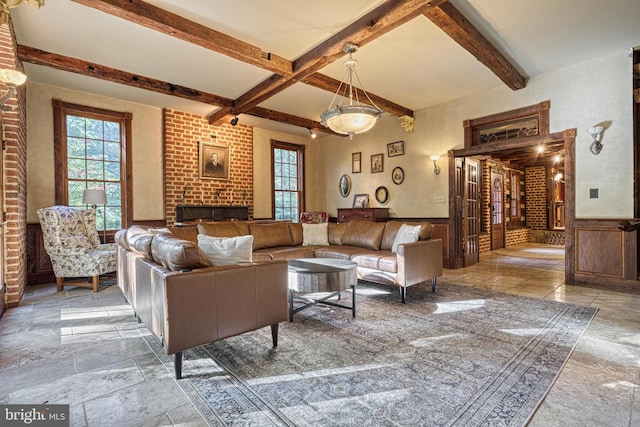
(366, 243)
(187, 303)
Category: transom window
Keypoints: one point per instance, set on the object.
(288, 180)
(91, 149)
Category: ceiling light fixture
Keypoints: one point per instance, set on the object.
(234, 121)
(356, 117)
(12, 79)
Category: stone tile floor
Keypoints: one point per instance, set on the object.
(87, 350)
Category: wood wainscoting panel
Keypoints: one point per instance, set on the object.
(600, 252)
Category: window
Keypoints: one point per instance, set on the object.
(288, 180)
(516, 197)
(91, 151)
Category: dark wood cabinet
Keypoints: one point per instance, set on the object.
(39, 268)
(363, 214)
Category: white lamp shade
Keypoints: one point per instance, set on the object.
(94, 197)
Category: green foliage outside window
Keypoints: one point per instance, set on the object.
(94, 158)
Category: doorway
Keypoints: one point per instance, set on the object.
(497, 210)
(521, 150)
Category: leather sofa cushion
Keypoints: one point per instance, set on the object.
(219, 229)
(176, 254)
(121, 238)
(363, 234)
(426, 230)
(270, 235)
(139, 239)
(189, 233)
(290, 252)
(340, 252)
(295, 228)
(382, 260)
(336, 231)
(390, 230)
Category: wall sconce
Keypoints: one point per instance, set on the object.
(12, 79)
(596, 134)
(436, 168)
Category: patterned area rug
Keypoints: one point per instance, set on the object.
(459, 357)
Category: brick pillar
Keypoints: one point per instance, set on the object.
(15, 176)
(182, 134)
(536, 197)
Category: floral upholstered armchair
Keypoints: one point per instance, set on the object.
(71, 241)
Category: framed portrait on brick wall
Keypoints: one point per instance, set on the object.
(214, 161)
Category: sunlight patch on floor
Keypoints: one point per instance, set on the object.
(453, 307)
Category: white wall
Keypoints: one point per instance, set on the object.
(262, 173)
(581, 96)
(147, 149)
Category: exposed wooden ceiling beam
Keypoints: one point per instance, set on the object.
(383, 19)
(290, 119)
(456, 26)
(155, 18)
(330, 84)
(369, 27)
(79, 66)
(85, 68)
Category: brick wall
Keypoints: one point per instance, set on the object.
(536, 197)
(182, 134)
(15, 177)
(516, 236)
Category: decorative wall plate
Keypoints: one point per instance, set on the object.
(382, 194)
(344, 185)
(397, 175)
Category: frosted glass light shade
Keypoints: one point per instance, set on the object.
(351, 119)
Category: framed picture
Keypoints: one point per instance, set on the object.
(344, 185)
(377, 163)
(356, 162)
(382, 195)
(361, 201)
(395, 149)
(397, 175)
(213, 160)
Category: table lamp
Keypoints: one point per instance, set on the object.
(96, 197)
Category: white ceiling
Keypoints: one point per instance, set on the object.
(416, 65)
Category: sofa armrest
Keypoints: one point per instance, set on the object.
(209, 304)
(419, 262)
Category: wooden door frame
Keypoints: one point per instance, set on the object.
(492, 171)
(568, 137)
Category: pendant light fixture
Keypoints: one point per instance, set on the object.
(355, 117)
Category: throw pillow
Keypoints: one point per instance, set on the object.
(226, 250)
(315, 234)
(406, 234)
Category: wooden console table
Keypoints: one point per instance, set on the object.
(363, 214)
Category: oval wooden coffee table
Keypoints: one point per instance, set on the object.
(309, 276)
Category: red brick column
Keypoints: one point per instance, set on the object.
(536, 197)
(15, 177)
(182, 134)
